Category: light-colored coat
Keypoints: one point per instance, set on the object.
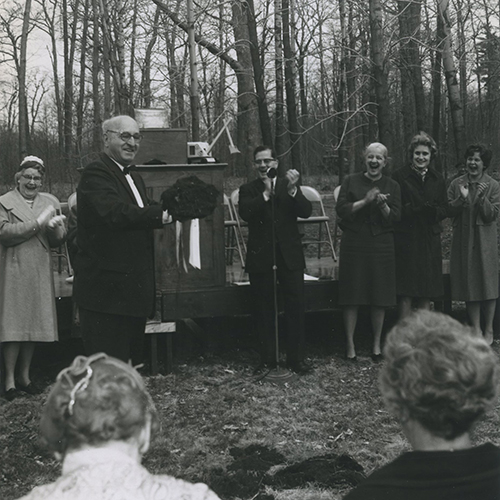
(474, 251)
(27, 302)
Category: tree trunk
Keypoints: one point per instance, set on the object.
(436, 83)
(407, 94)
(379, 74)
(81, 92)
(49, 21)
(69, 42)
(24, 134)
(341, 110)
(258, 74)
(96, 104)
(279, 117)
(450, 73)
(290, 85)
(131, 85)
(146, 70)
(248, 132)
(462, 58)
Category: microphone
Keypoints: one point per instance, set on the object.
(272, 172)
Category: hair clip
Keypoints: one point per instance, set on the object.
(81, 385)
(80, 366)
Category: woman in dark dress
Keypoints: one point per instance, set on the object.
(368, 204)
(438, 379)
(417, 235)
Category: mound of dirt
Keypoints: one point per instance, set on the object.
(325, 470)
(248, 475)
(255, 457)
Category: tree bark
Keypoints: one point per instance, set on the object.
(96, 104)
(146, 69)
(279, 114)
(290, 85)
(24, 133)
(69, 42)
(248, 131)
(450, 73)
(436, 83)
(380, 74)
(131, 85)
(193, 67)
(81, 88)
(258, 75)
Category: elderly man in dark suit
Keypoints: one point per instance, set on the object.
(256, 200)
(114, 283)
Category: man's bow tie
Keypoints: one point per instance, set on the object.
(128, 169)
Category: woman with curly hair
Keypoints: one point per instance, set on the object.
(475, 200)
(438, 380)
(417, 236)
(99, 420)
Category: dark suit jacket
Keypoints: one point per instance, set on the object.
(114, 270)
(257, 212)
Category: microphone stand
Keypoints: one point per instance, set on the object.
(279, 374)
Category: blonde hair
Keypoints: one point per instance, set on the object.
(95, 400)
(437, 373)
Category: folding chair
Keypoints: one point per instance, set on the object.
(234, 199)
(314, 197)
(232, 233)
(336, 192)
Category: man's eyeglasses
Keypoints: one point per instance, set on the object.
(34, 178)
(126, 136)
(265, 161)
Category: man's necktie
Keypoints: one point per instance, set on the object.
(128, 169)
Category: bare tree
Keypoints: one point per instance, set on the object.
(450, 73)
(380, 73)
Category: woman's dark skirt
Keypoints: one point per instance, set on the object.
(367, 272)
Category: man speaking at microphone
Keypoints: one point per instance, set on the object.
(258, 200)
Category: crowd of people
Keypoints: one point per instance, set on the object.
(390, 249)
(438, 378)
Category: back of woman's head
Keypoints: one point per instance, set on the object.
(437, 373)
(95, 400)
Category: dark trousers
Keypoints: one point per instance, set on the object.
(291, 285)
(119, 336)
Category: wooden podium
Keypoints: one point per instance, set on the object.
(171, 276)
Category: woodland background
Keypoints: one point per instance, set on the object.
(317, 79)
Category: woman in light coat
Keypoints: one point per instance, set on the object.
(475, 201)
(29, 226)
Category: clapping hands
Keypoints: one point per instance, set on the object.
(372, 195)
(481, 189)
(48, 218)
(382, 199)
(57, 220)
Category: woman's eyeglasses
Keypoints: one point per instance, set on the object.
(126, 136)
(34, 178)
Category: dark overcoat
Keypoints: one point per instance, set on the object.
(255, 210)
(417, 236)
(114, 271)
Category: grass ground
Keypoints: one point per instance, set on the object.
(210, 408)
